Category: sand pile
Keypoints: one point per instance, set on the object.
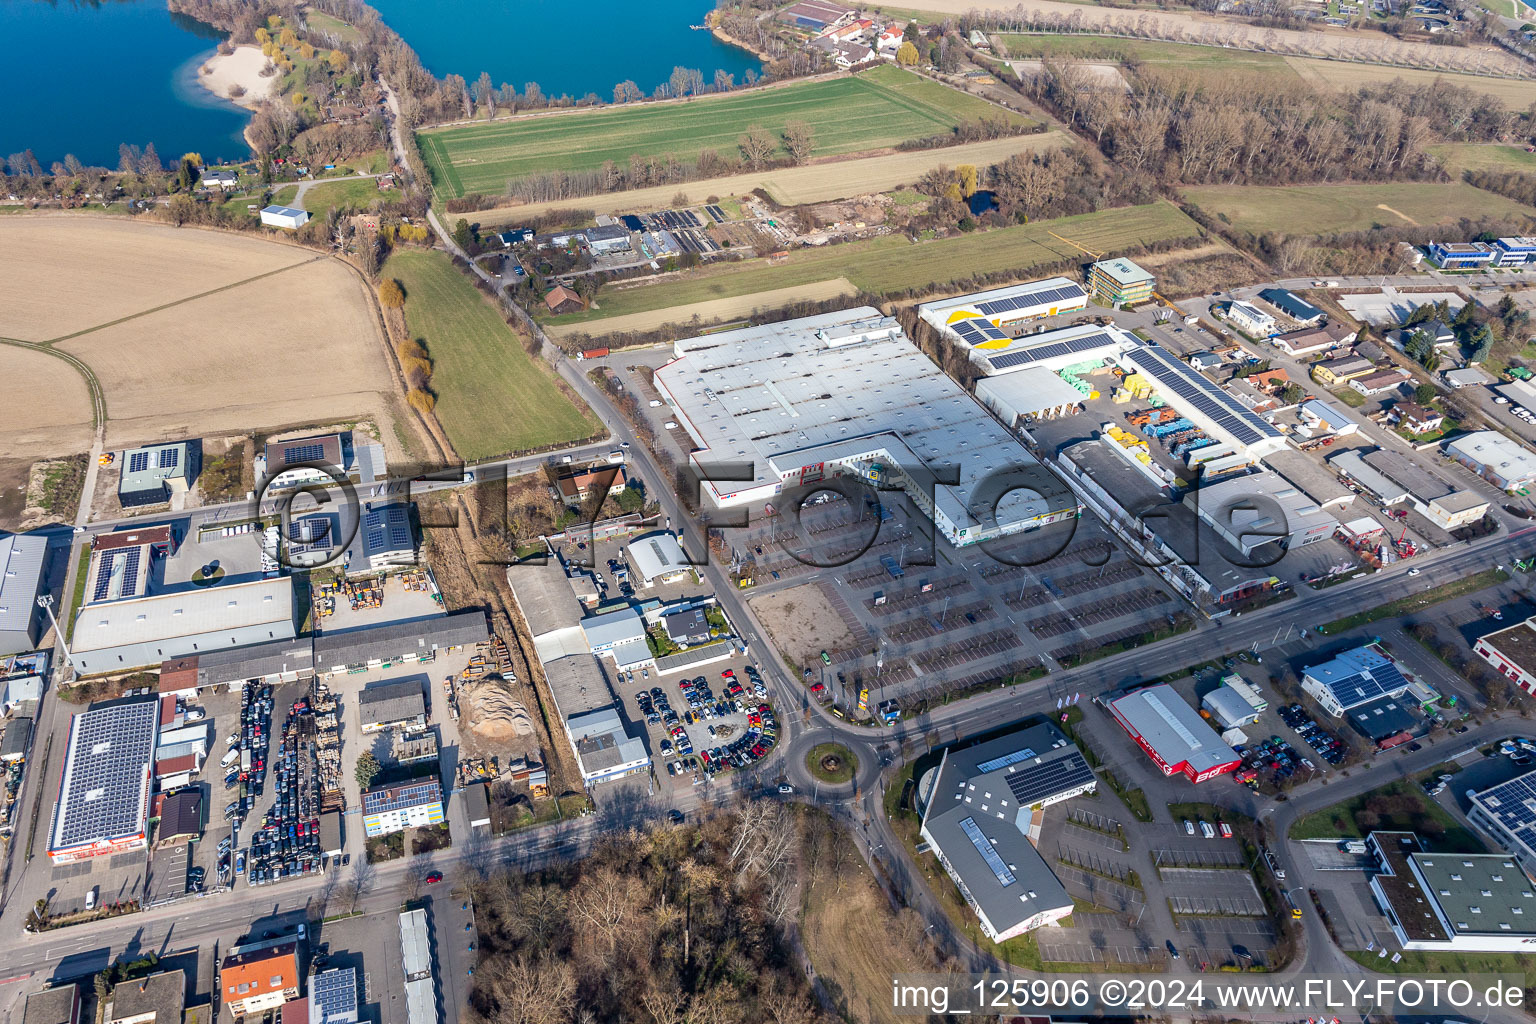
(491, 712)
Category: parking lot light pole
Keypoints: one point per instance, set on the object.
(45, 602)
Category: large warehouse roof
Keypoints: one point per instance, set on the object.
(186, 613)
(780, 397)
(1159, 717)
(1200, 399)
(578, 684)
(543, 592)
(104, 791)
(1002, 305)
(1056, 349)
(397, 639)
(1513, 805)
(21, 577)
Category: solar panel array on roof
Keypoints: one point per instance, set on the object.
(1245, 426)
(1360, 687)
(104, 572)
(1042, 297)
(976, 331)
(104, 789)
(983, 846)
(303, 453)
(400, 797)
(334, 994)
(168, 458)
(387, 528)
(1513, 805)
(1017, 356)
(1033, 783)
(138, 462)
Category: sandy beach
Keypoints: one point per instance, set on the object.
(242, 68)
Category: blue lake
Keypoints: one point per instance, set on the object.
(567, 48)
(83, 77)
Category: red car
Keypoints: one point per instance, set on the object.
(728, 674)
(817, 687)
(436, 876)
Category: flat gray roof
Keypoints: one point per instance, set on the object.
(396, 639)
(391, 702)
(22, 556)
(1161, 718)
(543, 592)
(578, 684)
(1479, 893)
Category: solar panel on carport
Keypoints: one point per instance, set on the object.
(1206, 397)
(1034, 783)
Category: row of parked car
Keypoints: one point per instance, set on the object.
(1327, 746)
(246, 760)
(288, 842)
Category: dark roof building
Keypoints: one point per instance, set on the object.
(151, 475)
(561, 299)
(398, 641)
(1292, 305)
(688, 627)
(181, 816)
(1385, 721)
(388, 537)
(157, 999)
(57, 1005)
(392, 704)
(477, 804)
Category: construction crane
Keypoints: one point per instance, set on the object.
(1076, 245)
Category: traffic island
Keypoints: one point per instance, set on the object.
(832, 763)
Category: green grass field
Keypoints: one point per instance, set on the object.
(492, 397)
(867, 111)
(357, 193)
(891, 262)
(1477, 157)
(1330, 209)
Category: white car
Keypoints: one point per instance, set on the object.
(90, 898)
(1189, 827)
(1500, 400)
(670, 425)
(1413, 572)
(1207, 831)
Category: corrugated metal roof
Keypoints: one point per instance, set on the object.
(21, 577)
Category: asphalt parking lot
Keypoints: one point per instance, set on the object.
(711, 732)
(1211, 891)
(167, 874)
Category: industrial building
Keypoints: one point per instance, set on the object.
(398, 642)
(566, 644)
(158, 999)
(1262, 508)
(332, 997)
(57, 1005)
(1451, 902)
(388, 538)
(121, 635)
(1206, 405)
(1512, 650)
(1514, 252)
(1173, 734)
(399, 806)
(392, 705)
(1003, 308)
(620, 634)
(122, 563)
(1229, 707)
(1353, 678)
(1250, 319)
(155, 474)
(1324, 418)
(301, 461)
(284, 217)
(1292, 305)
(1337, 371)
(1034, 393)
(1395, 479)
(104, 789)
(1502, 461)
(798, 402)
(23, 577)
(1460, 255)
(260, 978)
(981, 812)
(1119, 282)
(815, 14)
(416, 965)
(1385, 721)
(1062, 349)
(1312, 340)
(658, 558)
(1507, 813)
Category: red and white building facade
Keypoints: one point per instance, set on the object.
(1512, 651)
(1173, 734)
